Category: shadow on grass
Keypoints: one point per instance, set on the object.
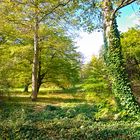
(28, 114)
(80, 112)
(45, 100)
(61, 123)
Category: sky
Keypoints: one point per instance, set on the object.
(90, 44)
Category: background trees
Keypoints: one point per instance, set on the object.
(36, 49)
(95, 77)
(130, 47)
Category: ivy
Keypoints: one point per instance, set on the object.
(115, 62)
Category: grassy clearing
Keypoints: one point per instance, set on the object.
(62, 116)
(53, 98)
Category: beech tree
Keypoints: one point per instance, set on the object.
(59, 62)
(27, 16)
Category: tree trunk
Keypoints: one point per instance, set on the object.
(35, 59)
(40, 78)
(115, 62)
(26, 88)
(38, 86)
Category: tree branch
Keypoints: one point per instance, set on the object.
(18, 1)
(54, 8)
(123, 4)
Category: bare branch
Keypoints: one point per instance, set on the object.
(19, 2)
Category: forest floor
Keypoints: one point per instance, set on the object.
(62, 116)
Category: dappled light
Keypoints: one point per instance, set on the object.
(67, 121)
(50, 89)
(49, 98)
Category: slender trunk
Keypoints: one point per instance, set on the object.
(39, 76)
(38, 86)
(114, 60)
(35, 59)
(40, 80)
(26, 87)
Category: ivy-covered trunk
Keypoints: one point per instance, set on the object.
(115, 62)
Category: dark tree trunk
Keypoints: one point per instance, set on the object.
(40, 76)
(26, 88)
(39, 83)
(38, 87)
(114, 60)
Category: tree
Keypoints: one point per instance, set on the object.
(92, 13)
(59, 61)
(28, 16)
(114, 57)
(16, 58)
(130, 47)
(102, 14)
(6, 61)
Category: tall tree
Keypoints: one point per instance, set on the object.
(114, 57)
(59, 61)
(28, 16)
(99, 14)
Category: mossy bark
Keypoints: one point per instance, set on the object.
(115, 62)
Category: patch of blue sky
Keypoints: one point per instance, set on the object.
(91, 44)
(129, 17)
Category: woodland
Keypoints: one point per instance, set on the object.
(47, 92)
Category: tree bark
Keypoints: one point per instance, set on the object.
(26, 88)
(35, 58)
(115, 62)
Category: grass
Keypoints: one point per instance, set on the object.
(62, 116)
(54, 98)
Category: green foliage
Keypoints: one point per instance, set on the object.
(131, 50)
(53, 42)
(95, 77)
(130, 42)
(59, 61)
(121, 85)
(52, 122)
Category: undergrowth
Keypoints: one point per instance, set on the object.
(69, 122)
